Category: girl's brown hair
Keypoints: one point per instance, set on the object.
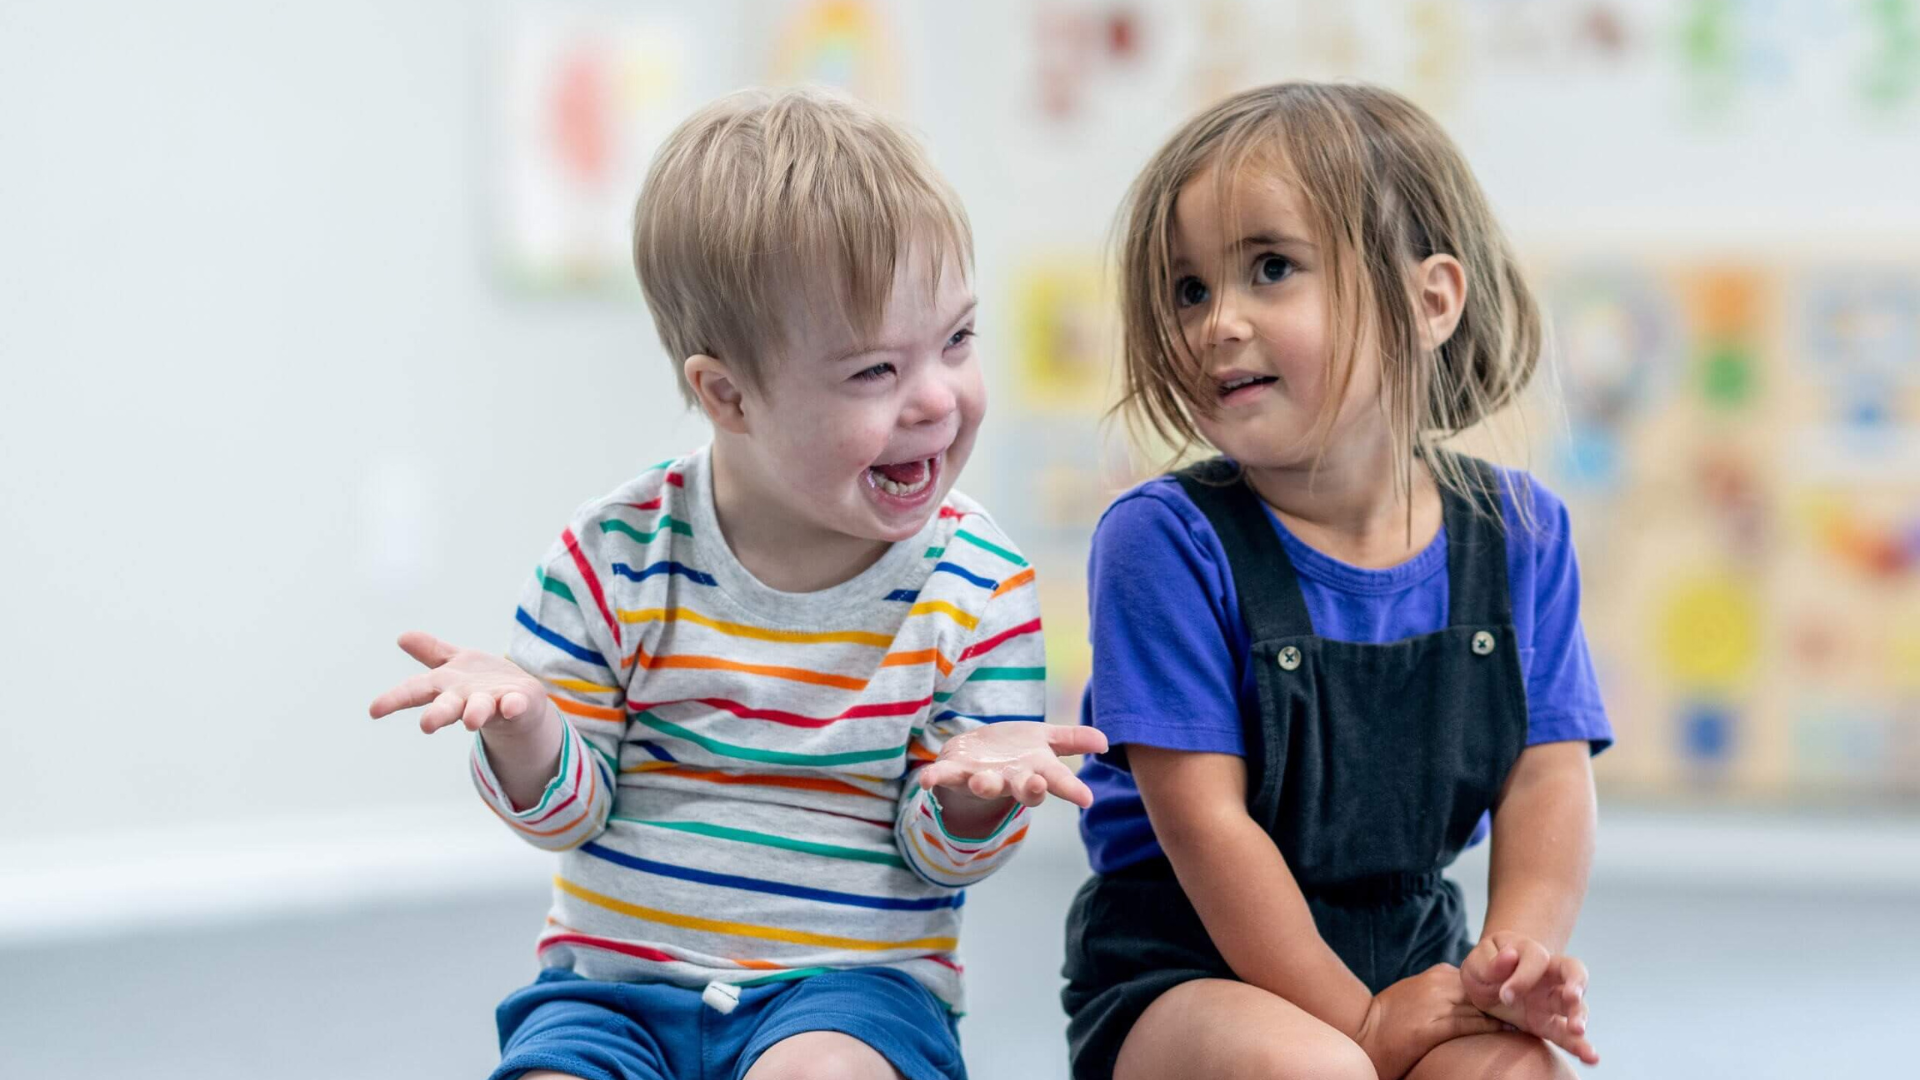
(1384, 187)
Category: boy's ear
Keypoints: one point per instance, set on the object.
(718, 393)
(1441, 287)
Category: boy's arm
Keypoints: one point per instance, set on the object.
(553, 779)
(949, 835)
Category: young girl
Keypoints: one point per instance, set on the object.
(1324, 657)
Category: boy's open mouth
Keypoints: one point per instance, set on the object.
(903, 479)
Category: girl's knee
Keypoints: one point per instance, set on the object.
(1329, 1057)
(1506, 1056)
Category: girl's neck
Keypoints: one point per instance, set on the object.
(1351, 507)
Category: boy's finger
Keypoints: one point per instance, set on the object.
(1067, 740)
(987, 785)
(1030, 789)
(479, 710)
(513, 704)
(426, 648)
(416, 691)
(444, 710)
(1062, 782)
(937, 774)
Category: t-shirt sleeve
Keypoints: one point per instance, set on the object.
(1163, 622)
(1563, 695)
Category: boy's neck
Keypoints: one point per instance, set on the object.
(781, 551)
(1351, 507)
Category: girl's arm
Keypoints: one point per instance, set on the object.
(1258, 918)
(1542, 850)
(1542, 844)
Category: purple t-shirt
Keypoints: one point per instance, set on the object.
(1170, 650)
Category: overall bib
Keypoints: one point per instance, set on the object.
(1369, 765)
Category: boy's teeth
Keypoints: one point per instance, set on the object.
(903, 478)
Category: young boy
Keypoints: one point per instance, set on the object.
(750, 696)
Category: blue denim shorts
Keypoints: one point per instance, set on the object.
(653, 1031)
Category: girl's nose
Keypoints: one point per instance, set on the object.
(1225, 324)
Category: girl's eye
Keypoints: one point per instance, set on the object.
(1271, 268)
(959, 338)
(874, 373)
(1189, 291)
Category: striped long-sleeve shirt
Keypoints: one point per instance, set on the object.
(736, 797)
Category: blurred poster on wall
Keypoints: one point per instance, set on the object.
(1741, 458)
(850, 45)
(585, 93)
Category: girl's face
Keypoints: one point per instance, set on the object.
(1252, 296)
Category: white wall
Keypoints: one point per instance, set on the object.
(262, 405)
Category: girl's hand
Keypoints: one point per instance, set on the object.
(1515, 978)
(473, 688)
(1408, 1019)
(1017, 759)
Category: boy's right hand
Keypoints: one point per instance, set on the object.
(464, 685)
(1407, 1020)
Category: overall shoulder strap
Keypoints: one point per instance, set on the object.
(1477, 549)
(1263, 576)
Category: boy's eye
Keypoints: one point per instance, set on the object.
(1271, 268)
(1189, 291)
(877, 371)
(959, 338)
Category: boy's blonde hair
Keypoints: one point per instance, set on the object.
(1384, 187)
(764, 199)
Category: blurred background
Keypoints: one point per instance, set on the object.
(316, 321)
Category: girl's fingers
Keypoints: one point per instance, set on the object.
(445, 710)
(1572, 973)
(1533, 964)
(937, 774)
(415, 691)
(426, 648)
(479, 710)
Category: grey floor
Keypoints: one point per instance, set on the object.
(1689, 982)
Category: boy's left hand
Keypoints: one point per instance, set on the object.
(1513, 978)
(1017, 759)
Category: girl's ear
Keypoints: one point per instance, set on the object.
(1441, 287)
(718, 393)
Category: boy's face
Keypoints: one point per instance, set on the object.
(865, 438)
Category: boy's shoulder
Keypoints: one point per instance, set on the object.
(965, 535)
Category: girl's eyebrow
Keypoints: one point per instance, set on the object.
(1269, 239)
(1275, 238)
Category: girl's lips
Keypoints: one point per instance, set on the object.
(1242, 394)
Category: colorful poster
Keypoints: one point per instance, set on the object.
(584, 95)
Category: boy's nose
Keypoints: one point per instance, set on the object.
(931, 403)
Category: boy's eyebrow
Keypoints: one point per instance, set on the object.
(965, 313)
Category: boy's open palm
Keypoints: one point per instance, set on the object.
(1513, 977)
(463, 685)
(1016, 758)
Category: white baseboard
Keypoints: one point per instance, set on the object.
(55, 890)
